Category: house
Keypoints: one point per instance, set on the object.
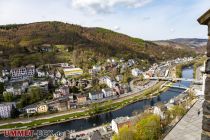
(5, 72)
(40, 73)
(96, 95)
(109, 82)
(46, 48)
(119, 78)
(63, 91)
(107, 92)
(68, 71)
(14, 91)
(58, 74)
(4, 79)
(62, 105)
(119, 122)
(125, 88)
(24, 86)
(10, 89)
(6, 108)
(96, 68)
(81, 99)
(136, 72)
(42, 108)
(131, 62)
(43, 85)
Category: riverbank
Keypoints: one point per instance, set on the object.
(195, 64)
(117, 104)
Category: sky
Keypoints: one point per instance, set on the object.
(146, 19)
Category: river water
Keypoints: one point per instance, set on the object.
(82, 124)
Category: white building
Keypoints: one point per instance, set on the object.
(119, 122)
(96, 95)
(10, 89)
(136, 72)
(42, 85)
(107, 92)
(5, 72)
(5, 109)
(110, 83)
(69, 71)
(119, 78)
(40, 73)
(22, 72)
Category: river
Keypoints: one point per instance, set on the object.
(82, 124)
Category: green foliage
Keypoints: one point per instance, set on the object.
(82, 43)
(125, 133)
(8, 97)
(33, 95)
(178, 110)
(94, 109)
(148, 128)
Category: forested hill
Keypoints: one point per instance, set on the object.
(23, 42)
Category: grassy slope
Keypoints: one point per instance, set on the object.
(83, 43)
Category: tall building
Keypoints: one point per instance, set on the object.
(205, 20)
(5, 109)
(22, 72)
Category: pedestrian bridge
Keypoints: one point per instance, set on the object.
(175, 79)
(180, 86)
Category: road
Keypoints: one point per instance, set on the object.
(135, 91)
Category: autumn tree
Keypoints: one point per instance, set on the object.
(148, 128)
(125, 133)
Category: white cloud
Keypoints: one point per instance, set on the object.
(106, 6)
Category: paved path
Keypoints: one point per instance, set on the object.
(190, 127)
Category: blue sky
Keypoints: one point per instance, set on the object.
(147, 19)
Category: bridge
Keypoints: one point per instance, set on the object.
(175, 79)
(175, 86)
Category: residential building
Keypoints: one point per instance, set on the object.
(5, 72)
(40, 73)
(109, 82)
(6, 108)
(68, 71)
(96, 95)
(62, 105)
(31, 109)
(64, 89)
(119, 78)
(107, 92)
(136, 72)
(81, 99)
(119, 122)
(58, 74)
(4, 79)
(22, 72)
(43, 85)
(42, 108)
(131, 62)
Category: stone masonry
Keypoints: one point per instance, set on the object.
(205, 20)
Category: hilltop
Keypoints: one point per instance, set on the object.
(195, 44)
(21, 44)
